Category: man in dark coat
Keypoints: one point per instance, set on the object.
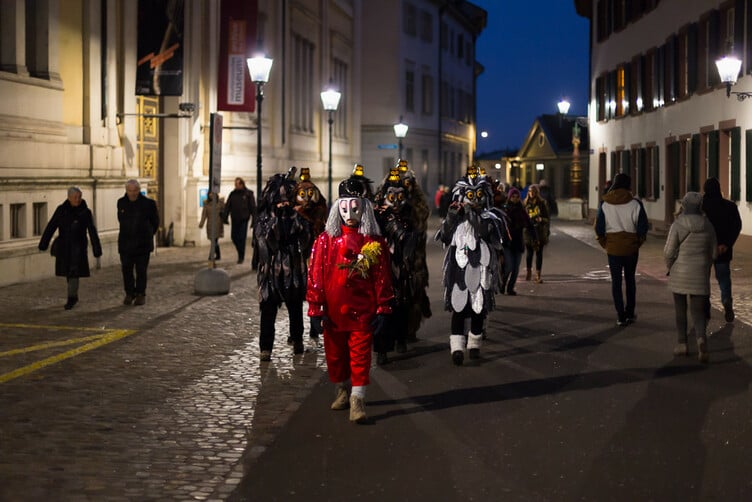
(724, 215)
(241, 206)
(139, 222)
(72, 220)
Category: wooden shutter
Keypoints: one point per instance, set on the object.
(713, 138)
(692, 59)
(736, 152)
(694, 167)
(656, 172)
(673, 151)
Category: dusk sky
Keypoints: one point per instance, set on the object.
(533, 53)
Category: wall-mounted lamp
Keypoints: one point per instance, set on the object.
(186, 111)
(728, 69)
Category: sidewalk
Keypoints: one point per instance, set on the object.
(652, 264)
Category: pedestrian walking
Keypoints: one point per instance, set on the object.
(689, 253)
(72, 220)
(472, 233)
(350, 292)
(240, 208)
(537, 211)
(282, 240)
(139, 221)
(621, 227)
(211, 214)
(724, 215)
(548, 195)
(518, 222)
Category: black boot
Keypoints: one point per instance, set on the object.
(72, 300)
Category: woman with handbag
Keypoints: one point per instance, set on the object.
(72, 220)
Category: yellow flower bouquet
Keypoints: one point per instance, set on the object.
(368, 256)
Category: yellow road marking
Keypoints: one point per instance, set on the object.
(103, 340)
(49, 345)
(40, 326)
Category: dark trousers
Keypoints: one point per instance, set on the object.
(476, 321)
(239, 236)
(538, 252)
(626, 265)
(138, 263)
(269, 310)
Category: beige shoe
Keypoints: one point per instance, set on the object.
(681, 349)
(342, 401)
(266, 355)
(358, 410)
(538, 279)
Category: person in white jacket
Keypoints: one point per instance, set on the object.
(689, 252)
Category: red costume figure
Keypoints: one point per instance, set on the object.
(350, 291)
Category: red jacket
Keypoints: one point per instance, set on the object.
(349, 303)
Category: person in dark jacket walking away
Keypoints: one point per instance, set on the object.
(139, 222)
(724, 215)
(621, 228)
(241, 206)
(72, 219)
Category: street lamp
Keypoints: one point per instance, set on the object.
(400, 130)
(330, 100)
(259, 67)
(563, 106)
(728, 70)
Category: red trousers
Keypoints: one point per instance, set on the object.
(348, 356)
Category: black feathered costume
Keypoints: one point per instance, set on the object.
(473, 233)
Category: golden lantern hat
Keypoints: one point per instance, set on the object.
(305, 174)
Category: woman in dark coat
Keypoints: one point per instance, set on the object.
(72, 219)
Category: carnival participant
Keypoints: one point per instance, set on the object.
(282, 238)
(350, 292)
(473, 234)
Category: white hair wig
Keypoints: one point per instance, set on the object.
(368, 223)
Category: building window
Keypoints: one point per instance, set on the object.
(648, 76)
(302, 102)
(411, 19)
(426, 26)
(635, 85)
(651, 173)
(600, 99)
(444, 36)
(17, 221)
(427, 94)
(622, 97)
(40, 217)
(410, 91)
(460, 46)
(339, 79)
(468, 54)
(2, 222)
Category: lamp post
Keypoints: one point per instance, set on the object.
(400, 130)
(330, 99)
(728, 70)
(573, 208)
(259, 67)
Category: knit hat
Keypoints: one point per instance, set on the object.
(513, 191)
(691, 203)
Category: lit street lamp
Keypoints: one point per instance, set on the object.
(330, 100)
(400, 130)
(728, 70)
(259, 68)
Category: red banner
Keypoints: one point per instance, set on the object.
(235, 91)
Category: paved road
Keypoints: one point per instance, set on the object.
(169, 402)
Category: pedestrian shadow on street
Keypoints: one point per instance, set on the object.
(682, 440)
(409, 359)
(528, 389)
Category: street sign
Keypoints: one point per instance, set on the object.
(388, 146)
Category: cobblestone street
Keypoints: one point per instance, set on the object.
(163, 413)
(168, 401)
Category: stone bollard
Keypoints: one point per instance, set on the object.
(212, 281)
